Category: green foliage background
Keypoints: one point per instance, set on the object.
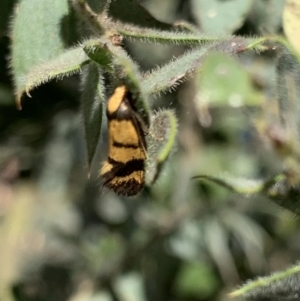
(63, 238)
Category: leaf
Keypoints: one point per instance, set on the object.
(130, 287)
(67, 63)
(282, 285)
(280, 189)
(132, 12)
(291, 22)
(97, 50)
(91, 24)
(161, 142)
(283, 191)
(5, 11)
(223, 81)
(37, 36)
(101, 295)
(216, 239)
(92, 98)
(164, 37)
(175, 72)
(196, 279)
(220, 17)
(288, 91)
(266, 16)
(239, 185)
(6, 95)
(97, 6)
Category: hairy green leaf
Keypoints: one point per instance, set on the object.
(164, 37)
(97, 50)
(176, 71)
(172, 74)
(282, 285)
(37, 36)
(67, 63)
(161, 141)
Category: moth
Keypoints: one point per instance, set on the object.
(124, 170)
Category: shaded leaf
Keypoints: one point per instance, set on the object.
(132, 12)
(6, 8)
(90, 18)
(6, 95)
(288, 91)
(98, 6)
(92, 98)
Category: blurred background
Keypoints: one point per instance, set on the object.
(63, 238)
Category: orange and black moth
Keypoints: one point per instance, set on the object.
(124, 170)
